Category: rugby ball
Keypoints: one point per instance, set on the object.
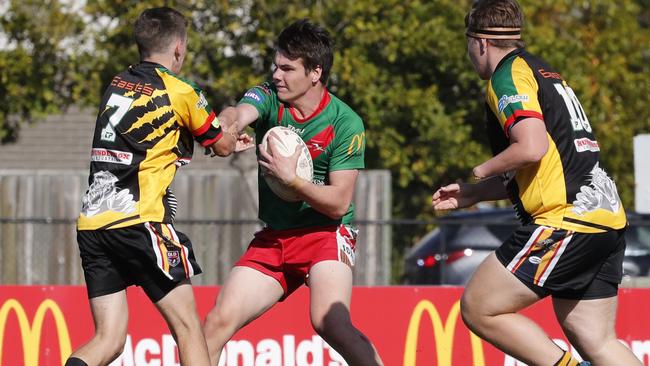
(286, 142)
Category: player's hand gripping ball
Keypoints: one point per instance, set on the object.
(286, 143)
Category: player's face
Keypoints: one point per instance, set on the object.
(290, 78)
(476, 50)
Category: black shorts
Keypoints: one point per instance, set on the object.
(153, 256)
(565, 264)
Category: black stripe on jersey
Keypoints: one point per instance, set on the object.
(588, 224)
(513, 194)
(210, 137)
(108, 226)
(142, 132)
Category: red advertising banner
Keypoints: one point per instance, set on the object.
(41, 325)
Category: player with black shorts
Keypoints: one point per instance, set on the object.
(546, 160)
(148, 121)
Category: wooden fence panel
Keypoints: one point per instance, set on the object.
(217, 210)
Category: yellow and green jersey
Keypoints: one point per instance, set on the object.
(147, 123)
(335, 136)
(568, 188)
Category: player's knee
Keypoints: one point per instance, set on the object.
(112, 339)
(470, 312)
(183, 324)
(218, 321)
(329, 329)
(588, 339)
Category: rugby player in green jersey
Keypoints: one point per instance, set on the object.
(546, 160)
(310, 241)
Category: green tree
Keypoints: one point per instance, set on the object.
(37, 72)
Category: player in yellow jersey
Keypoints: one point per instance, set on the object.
(148, 121)
(546, 160)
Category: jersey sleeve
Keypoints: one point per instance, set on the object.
(261, 97)
(194, 111)
(512, 94)
(349, 145)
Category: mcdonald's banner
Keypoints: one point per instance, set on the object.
(41, 325)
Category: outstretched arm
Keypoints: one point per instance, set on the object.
(461, 195)
(233, 120)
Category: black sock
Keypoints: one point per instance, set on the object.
(73, 361)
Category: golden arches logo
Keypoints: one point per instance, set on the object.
(443, 335)
(31, 332)
(357, 143)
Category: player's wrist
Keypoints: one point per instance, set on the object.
(296, 183)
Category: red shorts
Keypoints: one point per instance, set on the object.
(288, 255)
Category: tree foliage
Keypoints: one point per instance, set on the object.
(401, 65)
(36, 58)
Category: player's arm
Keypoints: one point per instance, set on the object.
(462, 195)
(246, 114)
(528, 145)
(226, 144)
(231, 123)
(332, 200)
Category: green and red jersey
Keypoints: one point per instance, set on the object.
(335, 136)
(568, 189)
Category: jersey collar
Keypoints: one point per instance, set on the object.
(510, 55)
(323, 103)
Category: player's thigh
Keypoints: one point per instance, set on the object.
(330, 284)
(178, 307)
(110, 314)
(587, 323)
(246, 294)
(494, 290)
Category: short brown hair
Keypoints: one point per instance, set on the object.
(310, 42)
(497, 14)
(157, 28)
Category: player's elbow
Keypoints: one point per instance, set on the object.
(536, 154)
(337, 212)
(532, 153)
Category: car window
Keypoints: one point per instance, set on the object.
(638, 237)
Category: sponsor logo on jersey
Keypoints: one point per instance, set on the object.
(202, 102)
(585, 144)
(299, 131)
(549, 74)
(138, 87)
(111, 156)
(509, 99)
(252, 94)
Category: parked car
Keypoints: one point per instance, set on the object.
(449, 254)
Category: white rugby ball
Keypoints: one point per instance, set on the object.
(286, 142)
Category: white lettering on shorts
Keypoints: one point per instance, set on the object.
(346, 239)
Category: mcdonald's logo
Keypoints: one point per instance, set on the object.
(443, 335)
(31, 332)
(357, 143)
